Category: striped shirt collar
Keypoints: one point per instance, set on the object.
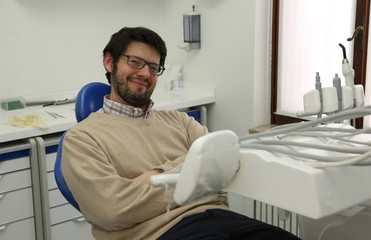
(115, 108)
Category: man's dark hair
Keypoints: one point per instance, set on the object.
(120, 41)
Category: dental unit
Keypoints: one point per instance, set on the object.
(319, 169)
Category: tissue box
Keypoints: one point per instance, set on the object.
(15, 103)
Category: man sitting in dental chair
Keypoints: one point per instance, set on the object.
(109, 157)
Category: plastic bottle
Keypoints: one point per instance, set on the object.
(180, 80)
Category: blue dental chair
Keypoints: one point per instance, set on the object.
(88, 100)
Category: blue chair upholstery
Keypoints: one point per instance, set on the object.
(88, 100)
(58, 175)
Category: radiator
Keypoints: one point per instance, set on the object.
(276, 217)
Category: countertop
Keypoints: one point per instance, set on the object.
(190, 95)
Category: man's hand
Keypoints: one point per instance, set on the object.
(145, 177)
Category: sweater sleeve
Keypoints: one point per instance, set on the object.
(193, 130)
(106, 199)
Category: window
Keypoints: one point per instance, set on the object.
(306, 37)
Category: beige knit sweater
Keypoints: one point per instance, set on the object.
(104, 152)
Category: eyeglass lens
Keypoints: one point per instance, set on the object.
(139, 63)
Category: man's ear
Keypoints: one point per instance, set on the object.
(108, 62)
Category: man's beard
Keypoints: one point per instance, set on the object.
(124, 92)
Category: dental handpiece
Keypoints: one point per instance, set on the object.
(348, 72)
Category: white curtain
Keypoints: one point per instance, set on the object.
(309, 37)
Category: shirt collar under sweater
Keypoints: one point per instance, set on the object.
(115, 108)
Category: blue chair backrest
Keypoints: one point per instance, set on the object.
(88, 100)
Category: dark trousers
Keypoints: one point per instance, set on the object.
(217, 224)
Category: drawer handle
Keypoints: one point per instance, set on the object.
(2, 227)
(80, 219)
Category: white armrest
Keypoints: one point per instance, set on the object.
(211, 163)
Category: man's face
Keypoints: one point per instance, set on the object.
(130, 85)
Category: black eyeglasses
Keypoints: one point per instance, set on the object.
(139, 63)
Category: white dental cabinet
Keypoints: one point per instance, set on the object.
(31, 205)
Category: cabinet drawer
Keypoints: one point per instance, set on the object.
(50, 161)
(52, 184)
(15, 180)
(75, 229)
(16, 205)
(56, 198)
(14, 164)
(63, 213)
(23, 229)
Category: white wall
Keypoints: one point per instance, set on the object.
(55, 45)
(262, 62)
